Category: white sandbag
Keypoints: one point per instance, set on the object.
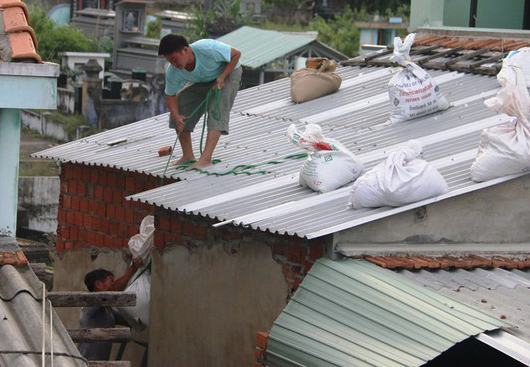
(401, 179)
(329, 165)
(327, 170)
(412, 91)
(521, 57)
(505, 149)
(138, 316)
(141, 244)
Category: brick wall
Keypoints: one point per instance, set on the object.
(93, 211)
(296, 255)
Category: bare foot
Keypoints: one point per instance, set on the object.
(183, 160)
(201, 164)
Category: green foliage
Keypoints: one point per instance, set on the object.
(70, 122)
(339, 33)
(54, 39)
(154, 28)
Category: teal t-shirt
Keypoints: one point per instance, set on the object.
(211, 57)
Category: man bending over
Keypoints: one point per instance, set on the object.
(208, 64)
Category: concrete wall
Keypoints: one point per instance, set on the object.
(39, 121)
(497, 214)
(65, 100)
(39, 196)
(426, 13)
(208, 305)
(69, 273)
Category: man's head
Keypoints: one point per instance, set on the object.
(99, 280)
(176, 50)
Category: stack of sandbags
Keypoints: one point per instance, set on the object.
(316, 80)
(329, 165)
(401, 179)
(505, 149)
(412, 91)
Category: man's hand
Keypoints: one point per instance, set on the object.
(180, 120)
(137, 263)
(220, 82)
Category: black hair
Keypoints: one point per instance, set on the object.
(96, 275)
(171, 43)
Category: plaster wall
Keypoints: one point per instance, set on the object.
(40, 197)
(69, 274)
(497, 214)
(207, 305)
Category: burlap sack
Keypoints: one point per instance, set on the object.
(315, 81)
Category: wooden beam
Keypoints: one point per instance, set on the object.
(466, 56)
(109, 364)
(438, 54)
(87, 299)
(114, 335)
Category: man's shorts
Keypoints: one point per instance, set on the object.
(191, 97)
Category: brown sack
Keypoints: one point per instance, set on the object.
(309, 83)
(321, 63)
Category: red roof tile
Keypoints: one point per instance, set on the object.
(447, 261)
(468, 43)
(21, 39)
(16, 258)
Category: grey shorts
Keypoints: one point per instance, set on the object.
(191, 97)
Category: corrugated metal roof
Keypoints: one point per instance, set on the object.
(355, 115)
(21, 323)
(499, 292)
(259, 47)
(354, 313)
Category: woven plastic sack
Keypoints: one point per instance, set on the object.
(141, 245)
(315, 81)
(329, 165)
(505, 149)
(401, 179)
(412, 91)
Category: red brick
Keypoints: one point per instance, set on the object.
(61, 215)
(78, 219)
(123, 229)
(85, 173)
(111, 211)
(68, 246)
(129, 185)
(129, 216)
(59, 245)
(100, 209)
(164, 223)
(104, 225)
(70, 217)
(118, 242)
(120, 213)
(98, 192)
(75, 203)
(81, 189)
(112, 180)
(74, 233)
(131, 231)
(65, 232)
(176, 225)
(88, 221)
(195, 231)
(100, 239)
(90, 238)
(102, 177)
(92, 206)
(67, 201)
(82, 237)
(67, 170)
(107, 195)
(139, 184)
(316, 251)
(118, 197)
(261, 339)
(72, 187)
(83, 205)
(109, 241)
(163, 151)
(294, 253)
(138, 216)
(159, 239)
(150, 186)
(94, 175)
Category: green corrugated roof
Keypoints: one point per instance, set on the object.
(259, 47)
(354, 313)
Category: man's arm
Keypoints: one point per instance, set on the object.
(120, 283)
(235, 54)
(173, 107)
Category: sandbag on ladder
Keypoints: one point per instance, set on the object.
(412, 92)
(401, 179)
(140, 245)
(316, 80)
(505, 149)
(329, 165)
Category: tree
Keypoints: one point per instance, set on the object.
(338, 33)
(53, 39)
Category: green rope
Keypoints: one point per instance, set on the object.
(241, 169)
(216, 114)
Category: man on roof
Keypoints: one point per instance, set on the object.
(208, 64)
